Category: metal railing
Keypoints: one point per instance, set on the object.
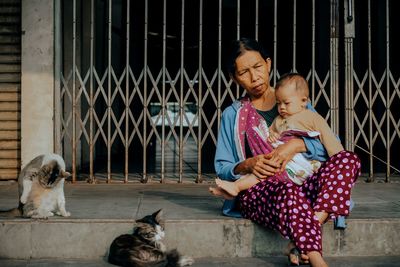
(143, 89)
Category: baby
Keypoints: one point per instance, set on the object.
(294, 119)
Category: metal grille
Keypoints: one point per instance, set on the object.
(143, 89)
(374, 88)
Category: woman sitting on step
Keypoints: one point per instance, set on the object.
(296, 211)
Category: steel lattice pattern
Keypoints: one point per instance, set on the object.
(142, 96)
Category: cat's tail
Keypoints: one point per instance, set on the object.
(11, 213)
(173, 257)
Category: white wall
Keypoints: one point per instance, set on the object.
(37, 81)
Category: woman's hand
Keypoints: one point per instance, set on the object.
(267, 165)
(285, 152)
(263, 167)
(260, 166)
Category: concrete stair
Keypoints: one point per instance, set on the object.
(194, 225)
(388, 261)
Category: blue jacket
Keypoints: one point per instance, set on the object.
(226, 156)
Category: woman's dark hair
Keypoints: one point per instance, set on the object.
(240, 46)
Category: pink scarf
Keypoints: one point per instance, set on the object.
(251, 125)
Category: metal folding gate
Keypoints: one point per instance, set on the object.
(143, 84)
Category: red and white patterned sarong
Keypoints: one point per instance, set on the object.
(289, 209)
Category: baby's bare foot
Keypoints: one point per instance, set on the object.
(220, 193)
(229, 187)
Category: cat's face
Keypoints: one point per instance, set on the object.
(50, 174)
(151, 227)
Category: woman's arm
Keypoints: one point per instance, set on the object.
(226, 156)
(227, 164)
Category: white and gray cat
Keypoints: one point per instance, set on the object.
(41, 188)
(144, 248)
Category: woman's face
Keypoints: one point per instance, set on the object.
(252, 73)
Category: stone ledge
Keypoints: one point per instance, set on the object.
(90, 238)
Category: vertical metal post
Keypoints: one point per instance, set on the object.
(294, 35)
(73, 92)
(109, 93)
(238, 37)
(388, 101)
(238, 20)
(219, 104)
(145, 108)
(275, 39)
(256, 20)
(163, 142)
(349, 85)
(334, 65)
(127, 79)
(181, 104)
(91, 104)
(313, 54)
(371, 151)
(200, 97)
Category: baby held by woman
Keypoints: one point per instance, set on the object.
(294, 120)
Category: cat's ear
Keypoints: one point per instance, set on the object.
(65, 174)
(158, 215)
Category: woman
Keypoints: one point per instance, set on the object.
(297, 212)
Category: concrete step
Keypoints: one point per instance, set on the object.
(218, 262)
(194, 224)
(90, 238)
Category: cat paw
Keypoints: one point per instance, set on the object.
(49, 214)
(63, 213)
(66, 214)
(23, 199)
(186, 261)
(39, 216)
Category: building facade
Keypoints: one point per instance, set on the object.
(134, 90)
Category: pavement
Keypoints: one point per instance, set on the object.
(194, 225)
(217, 262)
(187, 201)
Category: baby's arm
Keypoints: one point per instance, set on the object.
(273, 136)
(273, 133)
(328, 138)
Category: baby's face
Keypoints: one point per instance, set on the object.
(289, 100)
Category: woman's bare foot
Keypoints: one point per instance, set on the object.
(220, 193)
(294, 255)
(322, 216)
(316, 259)
(229, 187)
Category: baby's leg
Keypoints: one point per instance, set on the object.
(243, 183)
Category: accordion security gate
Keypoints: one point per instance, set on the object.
(143, 86)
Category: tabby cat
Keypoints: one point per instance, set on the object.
(41, 188)
(144, 248)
